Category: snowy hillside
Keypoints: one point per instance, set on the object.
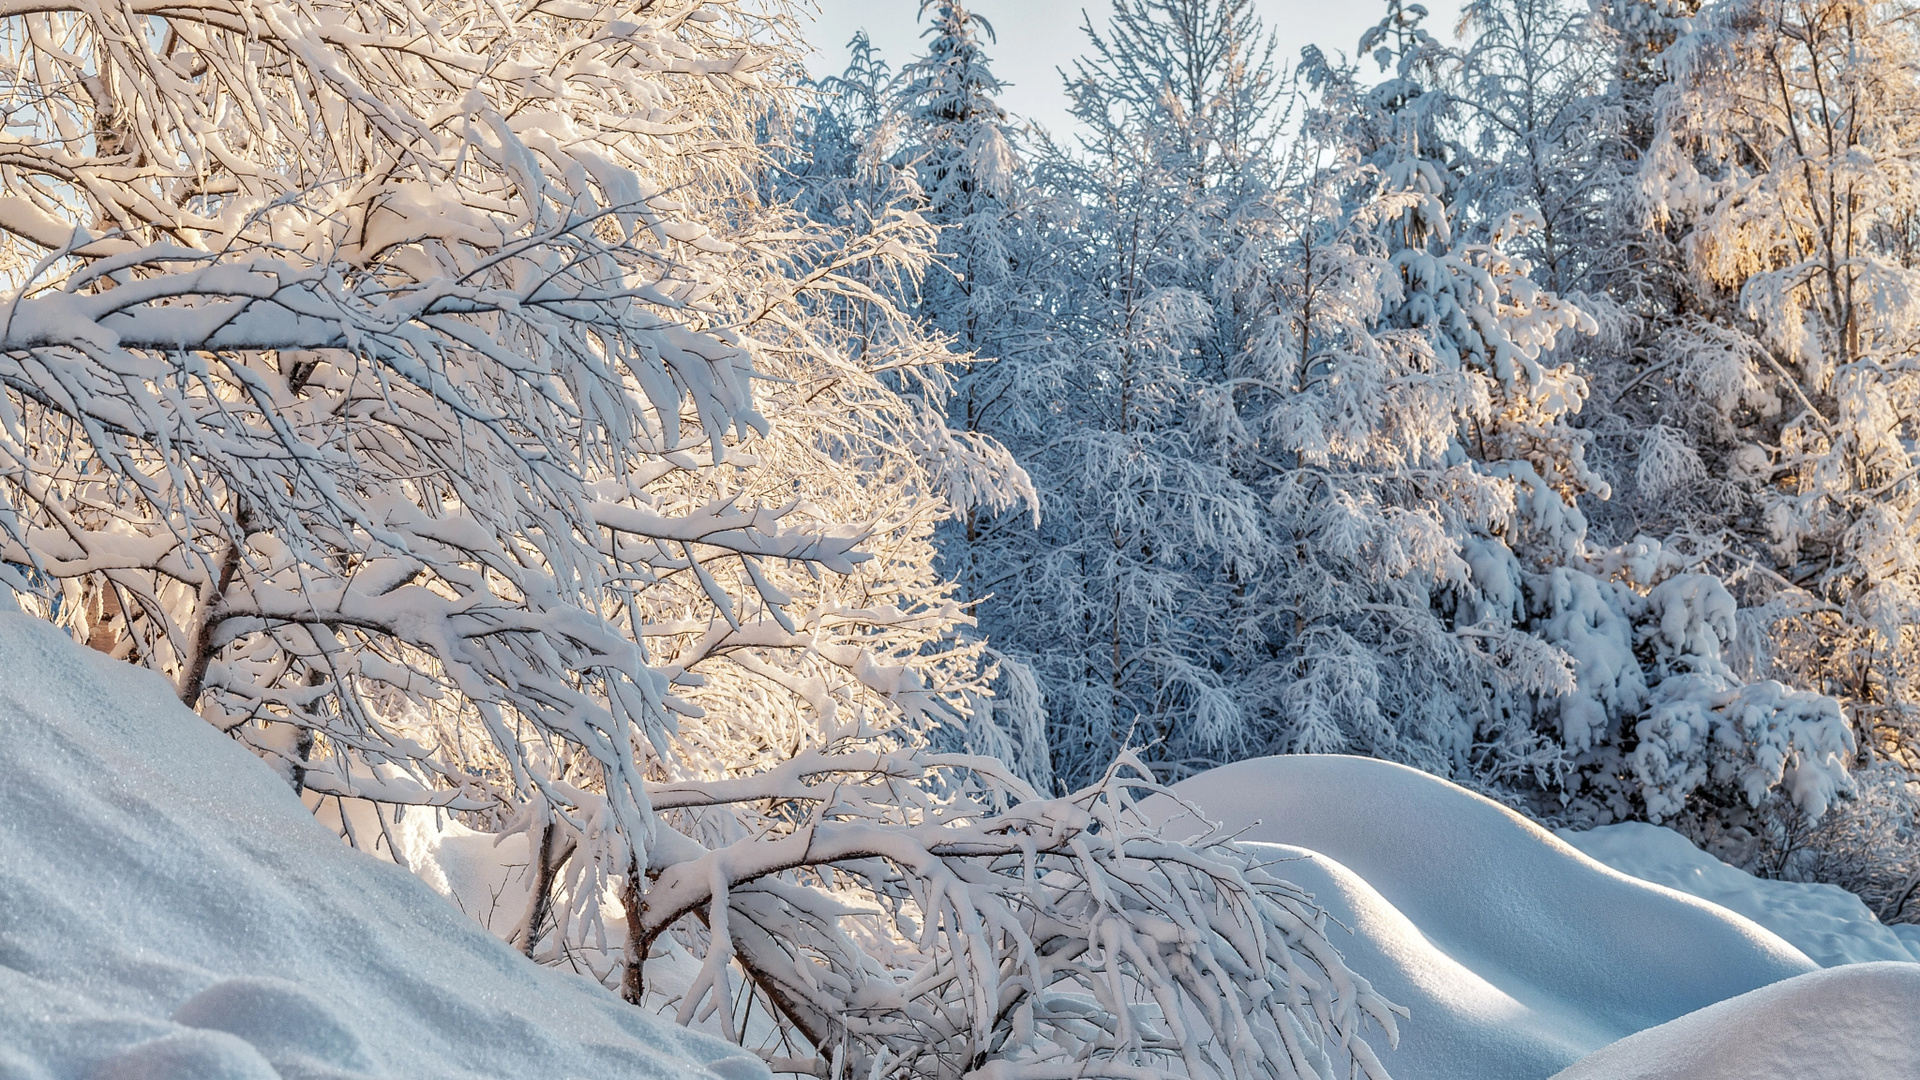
(173, 913)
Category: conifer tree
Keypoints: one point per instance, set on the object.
(992, 294)
(1429, 453)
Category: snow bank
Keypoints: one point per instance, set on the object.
(1826, 922)
(1846, 1023)
(1516, 954)
(173, 913)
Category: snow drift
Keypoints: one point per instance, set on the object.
(1828, 923)
(1847, 1023)
(1515, 954)
(174, 913)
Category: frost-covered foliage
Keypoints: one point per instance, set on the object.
(1475, 437)
(1865, 844)
(1654, 716)
(1754, 406)
(1123, 600)
(1407, 415)
(1088, 282)
(944, 932)
(991, 293)
(1784, 158)
(1531, 93)
(465, 408)
(438, 438)
(1308, 429)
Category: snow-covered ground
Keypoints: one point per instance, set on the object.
(1826, 922)
(169, 911)
(1516, 954)
(1847, 1023)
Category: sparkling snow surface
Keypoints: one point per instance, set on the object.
(169, 911)
(1516, 954)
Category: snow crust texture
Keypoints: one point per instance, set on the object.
(174, 913)
(1516, 954)
(1847, 1023)
(1826, 922)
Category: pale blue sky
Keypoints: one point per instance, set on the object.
(1037, 36)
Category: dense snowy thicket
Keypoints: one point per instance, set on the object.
(1515, 409)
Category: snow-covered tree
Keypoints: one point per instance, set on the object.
(1448, 607)
(1786, 151)
(1305, 427)
(1638, 267)
(449, 401)
(1422, 428)
(1078, 337)
(993, 294)
(1531, 86)
(1665, 717)
(1120, 603)
(426, 437)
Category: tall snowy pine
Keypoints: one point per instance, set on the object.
(991, 294)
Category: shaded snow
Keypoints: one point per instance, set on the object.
(1516, 954)
(1828, 923)
(172, 912)
(1847, 1023)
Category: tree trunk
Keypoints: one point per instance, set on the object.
(541, 907)
(193, 677)
(632, 983)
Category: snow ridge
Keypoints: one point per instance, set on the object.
(1515, 954)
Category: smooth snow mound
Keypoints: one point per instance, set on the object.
(1516, 954)
(1828, 923)
(1860, 1022)
(172, 912)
